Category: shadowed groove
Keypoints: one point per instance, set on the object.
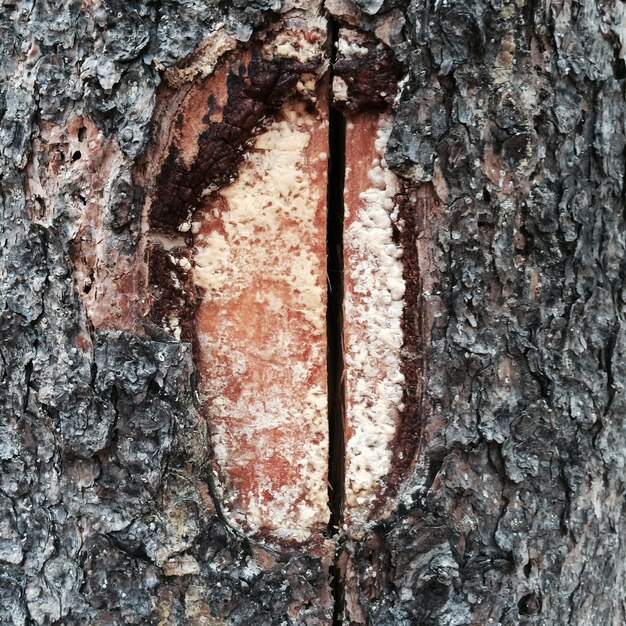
(334, 321)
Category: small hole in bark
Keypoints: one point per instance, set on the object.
(528, 568)
(76, 155)
(82, 131)
(529, 604)
(486, 195)
(154, 388)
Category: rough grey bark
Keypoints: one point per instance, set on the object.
(513, 115)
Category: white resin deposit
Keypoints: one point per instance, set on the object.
(261, 261)
(373, 301)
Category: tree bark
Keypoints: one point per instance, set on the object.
(506, 492)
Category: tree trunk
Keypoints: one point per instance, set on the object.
(502, 498)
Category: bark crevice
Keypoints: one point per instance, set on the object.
(334, 321)
(334, 314)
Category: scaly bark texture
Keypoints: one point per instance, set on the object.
(508, 140)
(514, 113)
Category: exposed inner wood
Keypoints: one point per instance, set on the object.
(260, 258)
(238, 245)
(373, 299)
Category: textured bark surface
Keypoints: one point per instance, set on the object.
(508, 136)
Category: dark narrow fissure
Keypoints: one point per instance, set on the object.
(334, 314)
(334, 323)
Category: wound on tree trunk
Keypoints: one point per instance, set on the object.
(313, 313)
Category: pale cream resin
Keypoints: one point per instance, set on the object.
(260, 258)
(373, 301)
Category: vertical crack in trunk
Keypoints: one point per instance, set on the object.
(334, 321)
(334, 316)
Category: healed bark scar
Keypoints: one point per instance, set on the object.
(236, 228)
